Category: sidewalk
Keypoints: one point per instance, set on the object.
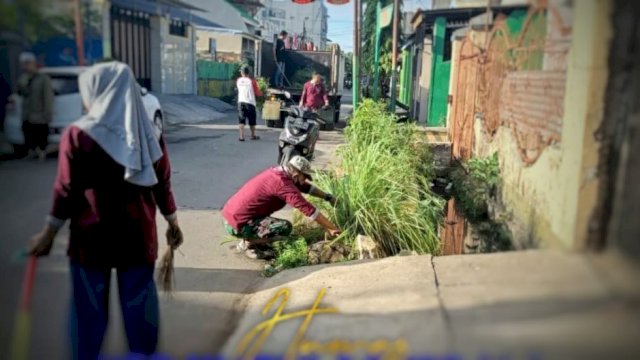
(524, 305)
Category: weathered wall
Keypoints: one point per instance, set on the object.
(225, 43)
(545, 134)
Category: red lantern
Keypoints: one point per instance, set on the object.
(338, 2)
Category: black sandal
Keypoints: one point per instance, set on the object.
(255, 137)
(240, 139)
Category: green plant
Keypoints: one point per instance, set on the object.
(475, 184)
(380, 185)
(291, 253)
(301, 76)
(263, 85)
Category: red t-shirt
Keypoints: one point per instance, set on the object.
(113, 222)
(314, 96)
(264, 194)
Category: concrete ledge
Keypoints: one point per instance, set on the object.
(393, 298)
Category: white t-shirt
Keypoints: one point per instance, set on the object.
(247, 90)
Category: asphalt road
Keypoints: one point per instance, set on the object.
(208, 165)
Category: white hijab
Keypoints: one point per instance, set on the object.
(118, 122)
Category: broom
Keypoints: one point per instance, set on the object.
(22, 327)
(166, 273)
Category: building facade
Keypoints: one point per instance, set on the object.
(303, 22)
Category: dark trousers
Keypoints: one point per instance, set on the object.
(35, 135)
(90, 309)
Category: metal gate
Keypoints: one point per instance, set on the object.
(131, 42)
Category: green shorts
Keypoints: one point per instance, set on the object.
(264, 228)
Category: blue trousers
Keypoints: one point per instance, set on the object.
(90, 309)
(279, 75)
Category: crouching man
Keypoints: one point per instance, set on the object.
(248, 212)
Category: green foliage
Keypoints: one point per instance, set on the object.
(381, 186)
(35, 20)
(474, 186)
(263, 85)
(369, 37)
(348, 64)
(301, 76)
(291, 253)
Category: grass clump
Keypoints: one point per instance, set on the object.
(382, 184)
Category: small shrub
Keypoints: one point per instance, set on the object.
(263, 85)
(291, 253)
(475, 185)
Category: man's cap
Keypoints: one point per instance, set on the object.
(27, 57)
(301, 164)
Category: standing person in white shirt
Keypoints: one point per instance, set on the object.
(248, 90)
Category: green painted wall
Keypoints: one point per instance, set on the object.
(216, 79)
(406, 80)
(441, 71)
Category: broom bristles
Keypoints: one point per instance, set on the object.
(166, 276)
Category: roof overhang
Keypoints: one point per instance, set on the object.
(228, 31)
(457, 17)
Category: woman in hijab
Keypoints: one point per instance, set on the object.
(113, 171)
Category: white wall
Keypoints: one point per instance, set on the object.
(172, 59)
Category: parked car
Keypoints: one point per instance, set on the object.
(67, 106)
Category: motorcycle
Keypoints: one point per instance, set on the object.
(299, 136)
(347, 83)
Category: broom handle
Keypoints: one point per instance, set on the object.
(27, 285)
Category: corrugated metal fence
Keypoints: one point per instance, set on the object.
(216, 79)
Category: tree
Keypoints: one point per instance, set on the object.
(369, 37)
(348, 63)
(28, 18)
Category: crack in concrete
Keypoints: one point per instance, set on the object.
(443, 309)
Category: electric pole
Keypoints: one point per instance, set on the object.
(357, 14)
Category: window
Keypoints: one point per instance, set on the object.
(178, 28)
(64, 84)
(212, 46)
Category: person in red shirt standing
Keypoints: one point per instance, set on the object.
(314, 96)
(248, 90)
(248, 212)
(113, 171)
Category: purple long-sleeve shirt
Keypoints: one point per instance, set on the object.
(113, 222)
